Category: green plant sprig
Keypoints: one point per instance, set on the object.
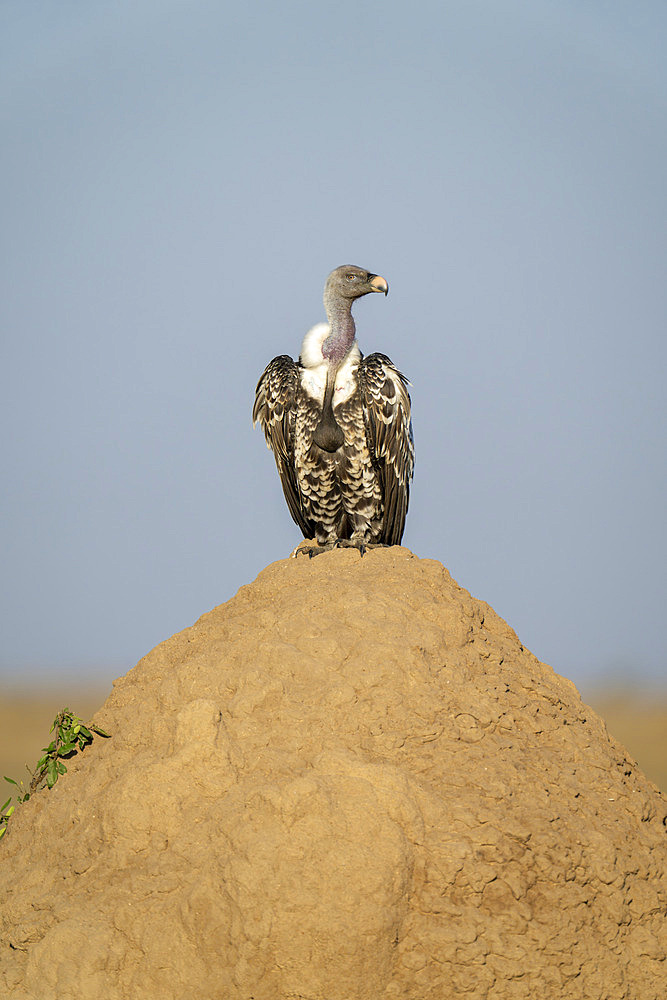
(70, 736)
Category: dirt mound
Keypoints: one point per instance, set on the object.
(350, 782)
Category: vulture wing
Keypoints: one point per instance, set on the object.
(275, 401)
(386, 406)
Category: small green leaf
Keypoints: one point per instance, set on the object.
(2, 808)
(61, 768)
(85, 731)
(99, 731)
(66, 748)
(11, 781)
(9, 812)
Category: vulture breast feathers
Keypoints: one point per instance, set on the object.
(339, 427)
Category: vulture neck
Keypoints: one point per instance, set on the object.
(342, 330)
(328, 436)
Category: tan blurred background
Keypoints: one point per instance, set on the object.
(637, 720)
(26, 717)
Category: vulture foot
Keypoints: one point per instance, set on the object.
(312, 550)
(363, 547)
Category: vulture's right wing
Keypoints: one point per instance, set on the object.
(275, 402)
(386, 407)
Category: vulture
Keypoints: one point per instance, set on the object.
(339, 426)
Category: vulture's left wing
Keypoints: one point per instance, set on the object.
(275, 400)
(386, 405)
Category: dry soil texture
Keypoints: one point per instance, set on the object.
(350, 782)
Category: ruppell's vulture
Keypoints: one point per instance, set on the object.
(339, 427)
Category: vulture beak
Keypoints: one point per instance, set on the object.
(378, 284)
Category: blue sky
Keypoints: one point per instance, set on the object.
(179, 179)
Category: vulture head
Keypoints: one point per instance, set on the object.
(350, 282)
